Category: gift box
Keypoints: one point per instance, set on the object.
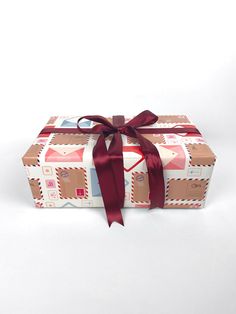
(149, 161)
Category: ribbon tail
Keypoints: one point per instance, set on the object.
(156, 181)
(116, 157)
(107, 181)
(155, 172)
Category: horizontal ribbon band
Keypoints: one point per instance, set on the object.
(174, 130)
(109, 161)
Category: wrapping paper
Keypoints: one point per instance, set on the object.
(61, 171)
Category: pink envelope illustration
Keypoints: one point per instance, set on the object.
(65, 154)
(132, 157)
(172, 156)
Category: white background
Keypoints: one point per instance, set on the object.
(117, 57)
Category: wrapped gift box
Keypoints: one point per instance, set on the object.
(61, 172)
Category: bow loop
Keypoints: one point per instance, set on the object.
(103, 126)
(143, 119)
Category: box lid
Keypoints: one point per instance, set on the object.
(175, 149)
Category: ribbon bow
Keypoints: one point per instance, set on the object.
(109, 162)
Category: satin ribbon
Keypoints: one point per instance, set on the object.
(108, 161)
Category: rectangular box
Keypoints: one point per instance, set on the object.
(61, 171)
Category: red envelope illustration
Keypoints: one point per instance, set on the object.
(65, 154)
(132, 157)
(172, 156)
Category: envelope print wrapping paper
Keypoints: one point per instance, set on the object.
(61, 171)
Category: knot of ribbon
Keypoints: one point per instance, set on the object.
(108, 160)
(109, 165)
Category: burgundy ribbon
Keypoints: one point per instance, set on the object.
(109, 161)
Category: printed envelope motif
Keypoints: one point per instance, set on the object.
(133, 156)
(31, 158)
(64, 153)
(173, 119)
(96, 191)
(72, 123)
(153, 138)
(200, 154)
(140, 188)
(70, 139)
(72, 183)
(35, 188)
(186, 189)
(69, 204)
(172, 156)
(187, 134)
